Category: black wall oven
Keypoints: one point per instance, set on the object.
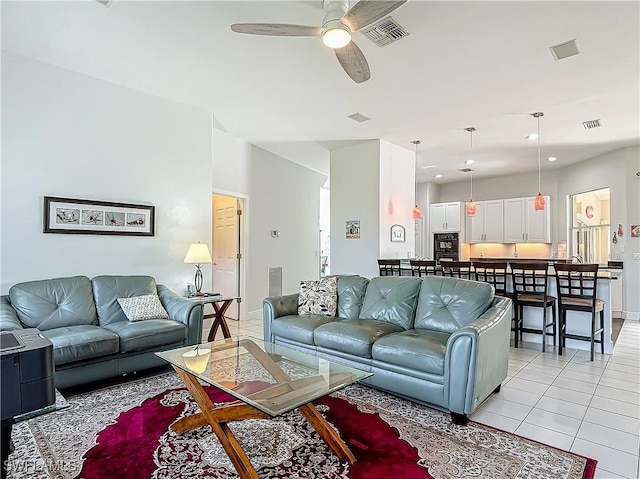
(446, 246)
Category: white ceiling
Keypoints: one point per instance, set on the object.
(482, 64)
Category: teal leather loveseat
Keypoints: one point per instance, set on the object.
(91, 335)
(436, 340)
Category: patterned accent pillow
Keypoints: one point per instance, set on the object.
(318, 297)
(139, 308)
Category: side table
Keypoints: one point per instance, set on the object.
(220, 305)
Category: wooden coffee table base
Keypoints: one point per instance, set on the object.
(218, 417)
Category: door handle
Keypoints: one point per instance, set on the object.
(215, 264)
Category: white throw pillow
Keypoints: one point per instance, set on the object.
(318, 297)
(139, 308)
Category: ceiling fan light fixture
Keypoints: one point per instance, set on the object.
(336, 35)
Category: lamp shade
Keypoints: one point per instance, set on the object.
(471, 208)
(539, 202)
(198, 254)
(417, 212)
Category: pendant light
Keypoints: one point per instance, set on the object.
(417, 212)
(539, 202)
(471, 206)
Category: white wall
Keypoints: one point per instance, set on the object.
(231, 164)
(355, 179)
(397, 199)
(615, 170)
(70, 135)
(285, 197)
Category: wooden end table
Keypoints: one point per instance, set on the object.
(220, 305)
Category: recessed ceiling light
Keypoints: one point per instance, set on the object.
(532, 136)
(468, 162)
(552, 158)
(438, 176)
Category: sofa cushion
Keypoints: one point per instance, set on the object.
(448, 304)
(318, 297)
(353, 336)
(414, 349)
(54, 303)
(140, 335)
(299, 328)
(107, 290)
(351, 291)
(139, 308)
(75, 343)
(392, 300)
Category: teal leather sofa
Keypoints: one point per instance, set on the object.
(92, 337)
(437, 340)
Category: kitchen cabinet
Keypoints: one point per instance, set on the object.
(523, 224)
(486, 226)
(445, 217)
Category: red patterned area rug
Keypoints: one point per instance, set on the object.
(123, 432)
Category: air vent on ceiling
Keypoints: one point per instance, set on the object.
(359, 117)
(465, 170)
(386, 31)
(592, 124)
(565, 50)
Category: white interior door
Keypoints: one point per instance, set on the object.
(226, 248)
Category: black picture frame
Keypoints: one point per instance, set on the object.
(92, 217)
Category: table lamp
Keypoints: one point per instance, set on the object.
(198, 254)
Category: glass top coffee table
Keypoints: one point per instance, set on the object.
(267, 380)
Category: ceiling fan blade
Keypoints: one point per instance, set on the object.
(353, 62)
(276, 29)
(366, 12)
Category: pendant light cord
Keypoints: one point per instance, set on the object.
(539, 184)
(471, 158)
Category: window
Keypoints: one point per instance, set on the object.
(590, 226)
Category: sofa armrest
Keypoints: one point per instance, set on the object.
(8, 317)
(477, 358)
(184, 310)
(275, 307)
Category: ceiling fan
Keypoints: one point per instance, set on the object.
(339, 23)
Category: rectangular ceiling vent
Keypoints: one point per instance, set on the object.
(592, 124)
(465, 170)
(359, 117)
(386, 31)
(565, 49)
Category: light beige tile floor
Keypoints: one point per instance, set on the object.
(590, 408)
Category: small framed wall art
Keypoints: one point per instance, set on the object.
(76, 216)
(397, 234)
(352, 228)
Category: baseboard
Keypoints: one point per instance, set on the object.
(632, 315)
(255, 314)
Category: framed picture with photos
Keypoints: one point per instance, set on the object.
(92, 217)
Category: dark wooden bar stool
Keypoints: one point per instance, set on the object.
(457, 269)
(576, 285)
(495, 273)
(389, 267)
(530, 288)
(422, 267)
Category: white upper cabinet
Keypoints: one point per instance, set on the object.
(486, 226)
(523, 224)
(445, 217)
